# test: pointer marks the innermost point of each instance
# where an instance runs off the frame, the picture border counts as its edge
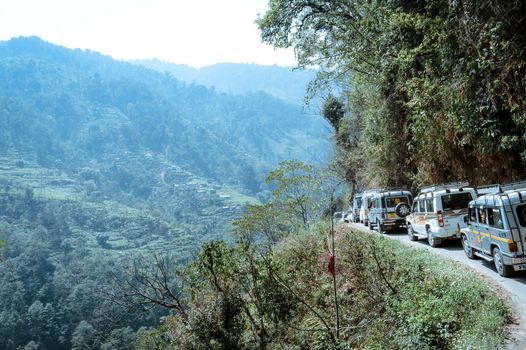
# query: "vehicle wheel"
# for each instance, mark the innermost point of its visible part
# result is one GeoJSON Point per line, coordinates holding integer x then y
{"type": "Point", "coordinates": [379, 227]}
{"type": "Point", "coordinates": [467, 249]}
{"type": "Point", "coordinates": [433, 241]}
{"type": "Point", "coordinates": [411, 233]}
{"type": "Point", "coordinates": [370, 224]}
{"type": "Point", "coordinates": [366, 223]}
{"type": "Point", "coordinates": [502, 269]}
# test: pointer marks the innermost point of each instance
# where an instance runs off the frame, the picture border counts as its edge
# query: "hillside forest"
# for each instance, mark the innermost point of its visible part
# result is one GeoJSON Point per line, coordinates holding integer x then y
{"type": "Point", "coordinates": [106, 163]}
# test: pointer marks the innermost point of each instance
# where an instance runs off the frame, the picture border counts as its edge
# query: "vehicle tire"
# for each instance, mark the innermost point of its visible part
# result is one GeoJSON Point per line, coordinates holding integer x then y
{"type": "Point", "coordinates": [433, 241]}
{"type": "Point", "coordinates": [470, 253]}
{"type": "Point", "coordinates": [365, 223]}
{"type": "Point", "coordinates": [402, 209]}
{"type": "Point", "coordinates": [411, 233]}
{"type": "Point", "coordinates": [370, 225]}
{"type": "Point", "coordinates": [502, 269]}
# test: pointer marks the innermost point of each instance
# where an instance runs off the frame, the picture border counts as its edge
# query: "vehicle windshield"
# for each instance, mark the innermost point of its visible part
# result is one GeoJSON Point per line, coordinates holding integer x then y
{"type": "Point", "coordinates": [455, 201]}
{"type": "Point", "coordinates": [392, 202]}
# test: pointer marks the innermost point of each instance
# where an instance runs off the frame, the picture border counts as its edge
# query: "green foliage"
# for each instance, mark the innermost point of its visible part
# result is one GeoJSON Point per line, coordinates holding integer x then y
{"type": "Point", "coordinates": [435, 89]}
{"type": "Point", "coordinates": [104, 161]}
{"type": "Point", "coordinates": [333, 111]}
{"type": "Point", "coordinates": [261, 221]}
{"type": "Point", "coordinates": [296, 185]}
{"type": "Point", "coordinates": [421, 301]}
{"type": "Point", "coordinates": [391, 297]}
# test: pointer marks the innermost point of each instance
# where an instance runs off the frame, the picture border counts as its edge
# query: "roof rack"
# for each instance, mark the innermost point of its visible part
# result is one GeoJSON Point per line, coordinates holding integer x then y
{"type": "Point", "coordinates": [517, 185]}
{"type": "Point", "coordinates": [372, 190]}
{"type": "Point", "coordinates": [444, 186]}
{"type": "Point", "coordinates": [488, 189]}
{"type": "Point", "coordinates": [496, 188]}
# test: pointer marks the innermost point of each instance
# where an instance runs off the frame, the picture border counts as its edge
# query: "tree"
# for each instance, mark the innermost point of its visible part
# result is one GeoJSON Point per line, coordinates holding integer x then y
{"type": "Point", "coordinates": [436, 86]}
{"type": "Point", "coordinates": [296, 186]}
{"type": "Point", "coordinates": [84, 337]}
{"type": "Point", "coordinates": [333, 111]}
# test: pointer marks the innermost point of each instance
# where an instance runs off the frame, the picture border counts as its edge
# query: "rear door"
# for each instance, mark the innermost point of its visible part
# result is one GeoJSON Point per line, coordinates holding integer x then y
{"type": "Point", "coordinates": [392, 202]}
{"type": "Point", "coordinates": [519, 233]}
{"type": "Point", "coordinates": [455, 207]}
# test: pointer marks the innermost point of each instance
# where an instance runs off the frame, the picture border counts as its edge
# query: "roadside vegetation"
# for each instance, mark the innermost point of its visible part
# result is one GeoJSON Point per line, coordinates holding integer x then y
{"type": "Point", "coordinates": [275, 288]}
{"type": "Point", "coordinates": [390, 297]}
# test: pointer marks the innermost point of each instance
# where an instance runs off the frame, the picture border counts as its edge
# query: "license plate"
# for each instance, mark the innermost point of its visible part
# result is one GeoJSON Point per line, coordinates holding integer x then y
{"type": "Point", "coordinates": [519, 267]}
{"type": "Point", "coordinates": [392, 215]}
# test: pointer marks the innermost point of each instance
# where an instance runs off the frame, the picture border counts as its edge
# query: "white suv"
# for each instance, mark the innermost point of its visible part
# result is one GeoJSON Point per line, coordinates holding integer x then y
{"type": "Point", "coordinates": [438, 211]}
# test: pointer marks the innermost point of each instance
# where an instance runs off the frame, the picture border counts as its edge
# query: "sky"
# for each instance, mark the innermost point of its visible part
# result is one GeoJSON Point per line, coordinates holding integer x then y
{"type": "Point", "coordinates": [193, 32]}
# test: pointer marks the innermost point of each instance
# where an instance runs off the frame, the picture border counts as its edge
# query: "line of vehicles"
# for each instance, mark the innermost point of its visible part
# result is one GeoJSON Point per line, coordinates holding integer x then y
{"type": "Point", "coordinates": [490, 221]}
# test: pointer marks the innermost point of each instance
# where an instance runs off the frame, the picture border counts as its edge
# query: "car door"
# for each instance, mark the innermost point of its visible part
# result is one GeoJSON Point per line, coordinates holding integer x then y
{"type": "Point", "coordinates": [474, 234]}
{"type": "Point", "coordinates": [430, 209]}
{"type": "Point", "coordinates": [483, 229]}
{"type": "Point", "coordinates": [498, 230]}
{"type": "Point", "coordinates": [419, 218]}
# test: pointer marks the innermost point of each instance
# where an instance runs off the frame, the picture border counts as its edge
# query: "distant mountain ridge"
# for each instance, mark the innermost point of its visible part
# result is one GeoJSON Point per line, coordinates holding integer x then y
{"type": "Point", "coordinates": [285, 83]}
{"type": "Point", "coordinates": [122, 85]}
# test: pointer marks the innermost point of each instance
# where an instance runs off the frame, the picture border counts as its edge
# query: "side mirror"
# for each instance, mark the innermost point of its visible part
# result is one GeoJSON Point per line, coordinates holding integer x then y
{"type": "Point", "coordinates": [466, 219]}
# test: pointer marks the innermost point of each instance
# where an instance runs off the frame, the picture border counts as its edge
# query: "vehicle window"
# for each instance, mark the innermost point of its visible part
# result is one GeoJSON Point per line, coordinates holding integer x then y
{"type": "Point", "coordinates": [481, 213]}
{"type": "Point", "coordinates": [358, 202]}
{"type": "Point", "coordinates": [429, 205]}
{"type": "Point", "coordinates": [392, 202]}
{"type": "Point", "coordinates": [472, 215]}
{"type": "Point", "coordinates": [455, 201]}
{"type": "Point", "coordinates": [494, 218]}
{"type": "Point", "coordinates": [415, 207]}
{"type": "Point", "coordinates": [521, 213]}
{"type": "Point", "coordinates": [421, 208]}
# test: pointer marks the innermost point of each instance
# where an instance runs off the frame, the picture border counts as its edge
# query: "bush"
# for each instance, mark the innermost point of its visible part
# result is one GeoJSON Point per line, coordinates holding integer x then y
{"type": "Point", "coordinates": [390, 297]}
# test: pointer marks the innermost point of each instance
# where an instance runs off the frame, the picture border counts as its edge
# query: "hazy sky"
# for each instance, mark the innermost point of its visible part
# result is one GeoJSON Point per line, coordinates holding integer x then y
{"type": "Point", "coordinates": [194, 32]}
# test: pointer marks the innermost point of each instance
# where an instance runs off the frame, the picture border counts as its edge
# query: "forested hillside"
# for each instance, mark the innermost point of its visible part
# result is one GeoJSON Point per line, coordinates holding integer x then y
{"type": "Point", "coordinates": [103, 161]}
{"type": "Point", "coordinates": [285, 83]}
{"type": "Point", "coordinates": [438, 87]}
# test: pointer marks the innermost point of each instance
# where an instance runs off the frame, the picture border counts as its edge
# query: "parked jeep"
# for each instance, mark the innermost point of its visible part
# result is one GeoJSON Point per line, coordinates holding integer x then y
{"type": "Point", "coordinates": [438, 211]}
{"type": "Point", "coordinates": [388, 210]}
{"type": "Point", "coordinates": [497, 227]}
{"type": "Point", "coordinates": [367, 195]}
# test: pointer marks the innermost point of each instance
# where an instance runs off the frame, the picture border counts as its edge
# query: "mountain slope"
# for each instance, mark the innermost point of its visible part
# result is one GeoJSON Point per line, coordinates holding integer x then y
{"type": "Point", "coordinates": [102, 161]}
{"type": "Point", "coordinates": [284, 83]}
